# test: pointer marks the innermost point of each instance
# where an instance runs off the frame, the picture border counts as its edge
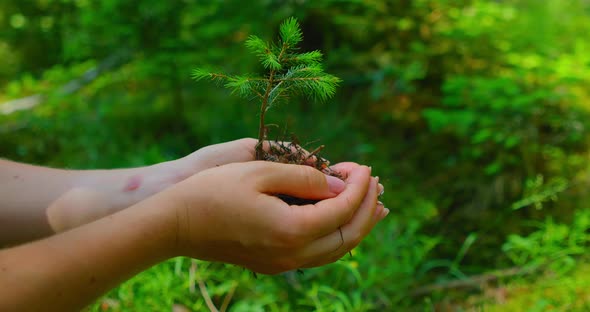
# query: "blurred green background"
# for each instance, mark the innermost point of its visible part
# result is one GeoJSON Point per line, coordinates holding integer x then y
{"type": "Point", "coordinates": [473, 113]}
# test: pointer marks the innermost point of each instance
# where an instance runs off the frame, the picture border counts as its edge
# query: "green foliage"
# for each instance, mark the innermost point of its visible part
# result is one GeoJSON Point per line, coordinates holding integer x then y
{"type": "Point", "coordinates": [567, 292]}
{"type": "Point", "coordinates": [289, 73]}
{"type": "Point", "coordinates": [553, 244]}
{"type": "Point", "coordinates": [474, 113]}
{"type": "Point", "coordinates": [290, 32]}
{"type": "Point", "coordinates": [268, 57]}
{"type": "Point", "coordinates": [537, 192]}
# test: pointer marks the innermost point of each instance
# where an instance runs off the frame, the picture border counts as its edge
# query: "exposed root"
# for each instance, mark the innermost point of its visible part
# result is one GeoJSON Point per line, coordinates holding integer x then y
{"type": "Point", "coordinates": [293, 153]}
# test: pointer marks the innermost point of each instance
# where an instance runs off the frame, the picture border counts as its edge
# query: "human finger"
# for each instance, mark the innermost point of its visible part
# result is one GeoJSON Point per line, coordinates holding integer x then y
{"type": "Point", "coordinates": [328, 215]}
{"type": "Point", "coordinates": [333, 246]}
{"type": "Point", "coordinates": [344, 168]}
{"type": "Point", "coordinates": [298, 181]}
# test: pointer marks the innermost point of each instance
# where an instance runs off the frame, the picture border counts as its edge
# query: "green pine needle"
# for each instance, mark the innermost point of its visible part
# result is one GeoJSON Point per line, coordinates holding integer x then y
{"type": "Point", "coordinates": [290, 32]}
{"type": "Point", "coordinates": [268, 58]}
{"type": "Point", "coordinates": [257, 45]}
{"type": "Point", "coordinates": [244, 85]}
{"type": "Point", "coordinates": [200, 73]}
{"type": "Point", "coordinates": [288, 73]}
{"type": "Point", "coordinates": [313, 57]}
{"type": "Point", "coordinates": [293, 73]}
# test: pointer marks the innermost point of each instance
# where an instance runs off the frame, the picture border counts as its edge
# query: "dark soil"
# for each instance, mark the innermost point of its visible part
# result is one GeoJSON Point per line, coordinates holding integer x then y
{"type": "Point", "coordinates": [293, 153]}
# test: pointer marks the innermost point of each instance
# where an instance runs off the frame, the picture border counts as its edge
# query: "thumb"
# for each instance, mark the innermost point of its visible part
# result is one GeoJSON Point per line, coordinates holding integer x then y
{"type": "Point", "coordinates": [299, 181]}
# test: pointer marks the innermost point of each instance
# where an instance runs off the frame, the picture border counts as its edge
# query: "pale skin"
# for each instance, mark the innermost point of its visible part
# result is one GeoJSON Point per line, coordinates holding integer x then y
{"type": "Point", "coordinates": [111, 231]}
{"type": "Point", "coordinates": [27, 191]}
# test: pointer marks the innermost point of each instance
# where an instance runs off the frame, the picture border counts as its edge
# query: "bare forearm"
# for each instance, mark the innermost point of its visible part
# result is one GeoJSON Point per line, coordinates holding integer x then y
{"type": "Point", "coordinates": [226, 214]}
{"type": "Point", "coordinates": [27, 191]}
{"type": "Point", "coordinates": [67, 271]}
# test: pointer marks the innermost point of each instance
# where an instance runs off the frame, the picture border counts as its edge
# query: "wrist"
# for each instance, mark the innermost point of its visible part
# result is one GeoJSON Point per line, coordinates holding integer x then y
{"type": "Point", "coordinates": [126, 187]}
{"type": "Point", "coordinates": [158, 197]}
{"type": "Point", "coordinates": [95, 194]}
{"type": "Point", "coordinates": [161, 176]}
{"type": "Point", "coordinates": [184, 219]}
{"type": "Point", "coordinates": [161, 225]}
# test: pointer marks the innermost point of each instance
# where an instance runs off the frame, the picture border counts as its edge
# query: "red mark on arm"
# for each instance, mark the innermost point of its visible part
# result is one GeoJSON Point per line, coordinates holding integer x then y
{"type": "Point", "coordinates": [132, 184]}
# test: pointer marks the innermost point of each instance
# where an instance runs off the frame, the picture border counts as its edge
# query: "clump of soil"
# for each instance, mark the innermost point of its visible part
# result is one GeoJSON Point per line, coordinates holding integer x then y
{"type": "Point", "coordinates": [293, 153]}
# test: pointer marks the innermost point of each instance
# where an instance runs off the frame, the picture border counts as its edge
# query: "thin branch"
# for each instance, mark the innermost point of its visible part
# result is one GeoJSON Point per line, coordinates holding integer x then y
{"type": "Point", "coordinates": [228, 298]}
{"type": "Point", "coordinates": [315, 152]}
{"type": "Point", "coordinates": [271, 93]}
{"type": "Point", "coordinates": [219, 76]}
{"type": "Point", "coordinates": [257, 93]}
{"type": "Point", "coordinates": [191, 277]}
{"type": "Point", "coordinates": [202, 287]}
{"type": "Point", "coordinates": [473, 281]}
{"type": "Point", "coordinates": [283, 50]}
{"type": "Point", "coordinates": [72, 86]}
{"type": "Point", "coordinates": [275, 88]}
{"type": "Point", "coordinates": [28, 102]}
{"type": "Point", "coordinates": [298, 79]}
{"type": "Point", "coordinates": [224, 76]}
{"type": "Point", "coordinates": [263, 107]}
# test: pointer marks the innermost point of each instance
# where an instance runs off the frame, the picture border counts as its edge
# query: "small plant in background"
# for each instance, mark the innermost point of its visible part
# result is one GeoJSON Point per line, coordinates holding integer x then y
{"type": "Point", "coordinates": [288, 73]}
{"type": "Point", "coordinates": [554, 245]}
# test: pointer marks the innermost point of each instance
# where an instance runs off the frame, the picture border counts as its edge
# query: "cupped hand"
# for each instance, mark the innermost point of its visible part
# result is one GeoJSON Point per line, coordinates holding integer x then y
{"type": "Point", "coordinates": [230, 214]}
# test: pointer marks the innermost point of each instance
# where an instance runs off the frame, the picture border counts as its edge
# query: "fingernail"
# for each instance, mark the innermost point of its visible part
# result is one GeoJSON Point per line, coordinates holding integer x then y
{"type": "Point", "coordinates": [335, 185]}
{"type": "Point", "coordinates": [379, 203]}
{"type": "Point", "coordinates": [381, 189]}
{"type": "Point", "coordinates": [385, 213]}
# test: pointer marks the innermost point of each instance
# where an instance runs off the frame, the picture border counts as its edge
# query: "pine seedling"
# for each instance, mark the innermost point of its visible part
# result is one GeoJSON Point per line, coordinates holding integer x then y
{"type": "Point", "coordinates": [288, 73]}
